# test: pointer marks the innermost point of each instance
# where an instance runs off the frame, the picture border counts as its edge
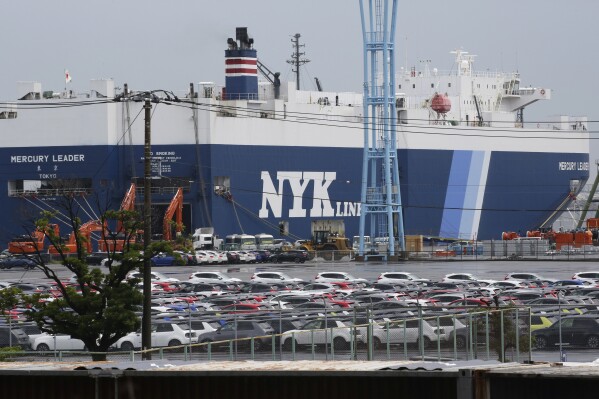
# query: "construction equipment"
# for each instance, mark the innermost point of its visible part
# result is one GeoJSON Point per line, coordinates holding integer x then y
{"type": "Point", "coordinates": [29, 244]}
{"type": "Point", "coordinates": [328, 238]}
{"type": "Point", "coordinates": [174, 209]}
{"type": "Point", "coordinates": [85, 231]}
{"type": "Point", "coordinates": [116, 242]}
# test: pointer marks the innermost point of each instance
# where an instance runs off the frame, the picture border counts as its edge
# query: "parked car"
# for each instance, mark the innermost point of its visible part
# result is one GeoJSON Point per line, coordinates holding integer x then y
{"type": "Point", "coordinates": [590, 276]}
{"type": "Point", "coordinates": [273, 277]}
{"type": "Point", "coordinates": [319, 332]}
{"type": "Point", "coordinates": [17, 261]}
{"type": "Point", "coordinates": [259, 330]}
{"type": "Point", "coordinates": [580, 330]}
{"type": "Point", "coordinates": [293, 255]}
{"type": "Point", "coordinates": [156, 276]}
{"type": "Point", "coordinates": [12, 335]}
{"type": "Point", "coordinates": [163, 259]}
{"type": "Point", "coordinates": [212, 277]}
{"type": "Point", "coordinates": [163, 334]}
{"type": "Point", "coordinates": [60, 342]}
{"type": "Point", "coordinates": [402, 277]}
{"type": "Point", "coordinates": [331, 277]}
{"type": "Point", "coordinates": [96, 258]}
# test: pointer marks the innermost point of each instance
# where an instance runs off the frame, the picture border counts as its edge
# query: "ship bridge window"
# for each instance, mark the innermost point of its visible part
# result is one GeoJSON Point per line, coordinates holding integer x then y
{"type": "Point", "coordinates": [413, 85]}
{"type": "Point", "coordinates": [400, 86]}
{"type": "Point", "coordinates": [432, 85]}
{"type": "Point", "coordinates": [50, 187]}
{"type": "Point", "coordinates": [449, 84]}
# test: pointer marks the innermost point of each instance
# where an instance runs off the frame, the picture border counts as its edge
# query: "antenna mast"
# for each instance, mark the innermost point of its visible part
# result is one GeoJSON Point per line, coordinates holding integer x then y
{"type": "Point", "coordinates": [296, 59]}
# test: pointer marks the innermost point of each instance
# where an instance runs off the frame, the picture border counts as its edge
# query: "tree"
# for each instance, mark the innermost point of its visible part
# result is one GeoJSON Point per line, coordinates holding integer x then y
{"type": "Point", "coordinates": [496, 319]}
{"type": "Point", "coordinates": [101, 307]}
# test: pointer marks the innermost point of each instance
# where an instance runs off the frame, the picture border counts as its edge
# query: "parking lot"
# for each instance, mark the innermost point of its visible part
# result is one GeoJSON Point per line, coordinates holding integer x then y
{"type": "Point", "coordinates": [346, 310]}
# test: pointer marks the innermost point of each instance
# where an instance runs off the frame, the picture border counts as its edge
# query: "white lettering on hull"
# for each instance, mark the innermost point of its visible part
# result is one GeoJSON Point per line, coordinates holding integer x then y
{"type": "Point", "coordinates": [322, 206]}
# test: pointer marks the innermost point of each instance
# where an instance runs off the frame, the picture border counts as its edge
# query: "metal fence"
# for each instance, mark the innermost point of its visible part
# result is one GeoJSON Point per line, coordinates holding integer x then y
{"type": "Point", "coordinates": [502, 335]}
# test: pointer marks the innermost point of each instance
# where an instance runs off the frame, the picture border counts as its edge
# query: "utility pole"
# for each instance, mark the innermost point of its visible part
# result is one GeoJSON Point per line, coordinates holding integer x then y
{"type": "Point", "coordinates": [146, 327]}
{"type": "Point", "coordinates": [296, 59]}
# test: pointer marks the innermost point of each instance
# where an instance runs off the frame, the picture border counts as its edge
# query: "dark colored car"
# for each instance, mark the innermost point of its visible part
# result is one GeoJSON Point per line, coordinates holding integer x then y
{"type": "Point", "coordinates": [233, 257]}
{"type": "Point", "coordinates": [579, 330]}
{"type": "Point", "coordinates": [262, 256]}
{"type": "Point", "coordinates": [297, 256]}
{"type": "Point", "coordinates": [19, 337]}
{"type": "Point", "coordinates": [17, 261]}
{"type": "Point", "coordinates": [261, 331]}
{"type": "Point", "coordinates": [163, 259]}
{"type": "Point", "coordinates": [96, 258]}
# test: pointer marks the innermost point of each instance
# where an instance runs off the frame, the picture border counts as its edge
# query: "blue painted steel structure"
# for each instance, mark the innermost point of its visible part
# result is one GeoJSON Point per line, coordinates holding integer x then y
{"type": "Point", "coordinates": [381, 197]}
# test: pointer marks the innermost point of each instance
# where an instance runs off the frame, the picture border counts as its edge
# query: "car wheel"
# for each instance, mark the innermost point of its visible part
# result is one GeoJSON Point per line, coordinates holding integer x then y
{"type": "Point", "coordinates": [460, 342]}
{"type": "Point", "coordinates": [174, 342]}
{"type": "Point", "coordinates": [127, 346]}
{"type": "Point", "coordinates": [426, 342]}
{"type": "Point", "coordinates": [204, 348]}
{"type": "Point", "coordinates": [376, 343]}
{"type": "Point", "coordinates": [540, 342]}
{"type": "Point", "coordinates": [340, 343]}
{"type": "Point", "coordinates": [258, 345]}
{"type": "Point", "coordinates": [593, 342]}
{"type": "Point", "coordinates": [296, 260]}
{"type": "Point", "coordinates": [42, 348]}
{"type": "Point", "coordinates": [288, 344]}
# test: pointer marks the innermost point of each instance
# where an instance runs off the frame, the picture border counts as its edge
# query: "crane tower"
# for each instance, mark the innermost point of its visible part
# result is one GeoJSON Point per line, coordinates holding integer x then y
{"type": "Point", "coordinates": [380, 196]}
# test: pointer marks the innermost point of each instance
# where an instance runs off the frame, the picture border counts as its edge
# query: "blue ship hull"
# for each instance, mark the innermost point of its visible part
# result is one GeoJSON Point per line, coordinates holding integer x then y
{"type": "Point", "coordinates": [445, 193]}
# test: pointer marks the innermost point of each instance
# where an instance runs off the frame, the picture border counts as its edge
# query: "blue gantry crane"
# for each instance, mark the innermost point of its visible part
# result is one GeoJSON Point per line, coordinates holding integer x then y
{"type": "Point", "coordinates": [380, 196]}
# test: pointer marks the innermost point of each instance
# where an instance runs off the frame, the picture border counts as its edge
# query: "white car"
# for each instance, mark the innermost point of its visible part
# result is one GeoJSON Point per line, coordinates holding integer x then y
{"type": "Point", "coordinates": [60, 342]}
{"type": "Point", "coordinates": [274, 277]}
{"type": "Point", "coordinates": [319, 333]}
{"type": "Point", "coordinates": [156, 276]}
{"type": "Point", "coordinates": [220, 257]}
{"type": "Point", "coordinates": [212, 277]}
{"type": "Point", "coordinates": [203, 327]}
{"type": "Point", "coordinates": [247, 256]}
{"type": "Point", "coordinates": [508, 284]}
{"type": "Point", "coordinates": [332, 277]}
{"type": "Point", "coordinates": [529, 276]}
{"type": "Point", "coordinates": [590, 276]}
{"type": "Point", "coordinates": [401, 277]}
{"type": "Point", "coordinates": [163, 334]}
{"type": "Point", "coordinates": [406, 331]}
{"type": "Point", "coordinates": [205, 258]}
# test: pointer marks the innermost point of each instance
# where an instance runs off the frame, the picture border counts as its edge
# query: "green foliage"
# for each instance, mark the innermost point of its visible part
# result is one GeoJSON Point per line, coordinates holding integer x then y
{"type": "Point", "coordinates": [507, 315]}
{"type": "Point", "coordinates": [101, 307]}
{"type": "Point", "coordinates": [8, 353]}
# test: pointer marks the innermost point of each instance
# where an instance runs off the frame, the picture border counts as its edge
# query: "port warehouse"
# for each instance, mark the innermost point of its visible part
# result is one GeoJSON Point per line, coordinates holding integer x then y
{"type": "Point", "coordinates": [302, 379]}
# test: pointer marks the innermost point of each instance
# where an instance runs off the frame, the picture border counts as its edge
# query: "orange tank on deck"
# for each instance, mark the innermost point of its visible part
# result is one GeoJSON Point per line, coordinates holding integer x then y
{"type": "Point", "coordinates": [509, 235]}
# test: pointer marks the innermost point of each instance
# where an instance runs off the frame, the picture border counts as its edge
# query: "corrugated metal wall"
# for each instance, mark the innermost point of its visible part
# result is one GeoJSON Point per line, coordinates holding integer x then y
{"type": "Point", "coordinates": [166, 385]}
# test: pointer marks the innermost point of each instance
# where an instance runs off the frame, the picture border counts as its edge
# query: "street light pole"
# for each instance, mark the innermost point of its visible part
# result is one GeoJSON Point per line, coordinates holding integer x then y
{"type": "Point", "coordinates": [146, 328]}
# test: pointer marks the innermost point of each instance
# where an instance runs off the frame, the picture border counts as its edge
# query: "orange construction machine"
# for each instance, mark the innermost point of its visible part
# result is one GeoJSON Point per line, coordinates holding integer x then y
{"type": "Point", "coordinates": [116, 242]}
{"type": "Point", "coordinates": [29, 244]}
{"type": "Point", "coordinates": [86, 230]}
{"type": "Point", "coordinates": [174, 209]}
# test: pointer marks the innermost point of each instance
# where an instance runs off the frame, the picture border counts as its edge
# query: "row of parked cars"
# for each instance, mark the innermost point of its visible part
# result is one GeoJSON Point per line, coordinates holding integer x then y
{"type": "Point", "coordinates": [334, 308]}
{"type": "Point", "coordinates": [210, 257]}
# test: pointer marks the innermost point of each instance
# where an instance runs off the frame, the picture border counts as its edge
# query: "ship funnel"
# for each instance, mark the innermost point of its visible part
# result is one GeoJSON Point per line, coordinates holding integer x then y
{"type": "Point", "coordinates": [241, 72]}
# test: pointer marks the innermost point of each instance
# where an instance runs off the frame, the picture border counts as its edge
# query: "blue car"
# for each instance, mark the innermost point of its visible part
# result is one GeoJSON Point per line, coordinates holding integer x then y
{"type": "Point", "coordinates": [163, 259]}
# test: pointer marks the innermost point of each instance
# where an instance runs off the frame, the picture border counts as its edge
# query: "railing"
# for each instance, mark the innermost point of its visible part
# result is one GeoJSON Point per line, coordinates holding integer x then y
{"type": "Point", "coordinates": [498, 334]}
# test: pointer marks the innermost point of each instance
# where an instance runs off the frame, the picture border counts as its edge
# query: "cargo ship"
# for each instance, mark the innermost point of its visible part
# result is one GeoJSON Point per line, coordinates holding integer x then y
{"type": "Point", "coordinates": [257, 155]}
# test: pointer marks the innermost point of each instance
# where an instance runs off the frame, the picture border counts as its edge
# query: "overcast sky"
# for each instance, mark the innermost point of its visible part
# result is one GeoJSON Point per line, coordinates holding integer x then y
{"type": "Point", "coordinates": [154, 44]}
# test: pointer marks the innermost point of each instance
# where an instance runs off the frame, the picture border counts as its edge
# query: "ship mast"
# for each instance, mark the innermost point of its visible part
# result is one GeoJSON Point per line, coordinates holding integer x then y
{"type": "Point", "coordinates": [296, 59]}
{"type": "Point", "coordinates": [380, 197]}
